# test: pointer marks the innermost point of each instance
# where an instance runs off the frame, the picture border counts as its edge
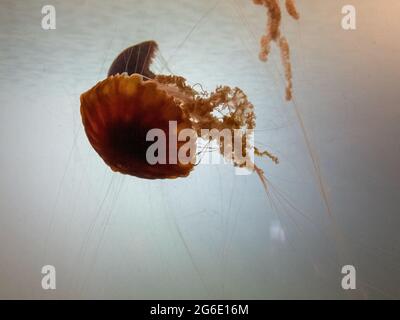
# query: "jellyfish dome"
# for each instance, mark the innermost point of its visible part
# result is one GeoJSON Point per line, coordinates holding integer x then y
{"type": "Point", "coordinates": [117, 115]}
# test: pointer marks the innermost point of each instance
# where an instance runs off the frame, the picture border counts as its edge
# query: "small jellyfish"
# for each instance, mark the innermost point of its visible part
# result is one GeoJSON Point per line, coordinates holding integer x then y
{"type": "Point", "coordinates": [120, 111]}
{"type": "Point", "coordinates": [273, 33]}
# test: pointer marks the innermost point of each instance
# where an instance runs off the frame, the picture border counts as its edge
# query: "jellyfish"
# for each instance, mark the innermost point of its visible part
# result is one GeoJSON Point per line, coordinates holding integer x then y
{"type": "Point", "coordinates": [273, 34]}
{"type": "Point", "coordinates": [119, 112]}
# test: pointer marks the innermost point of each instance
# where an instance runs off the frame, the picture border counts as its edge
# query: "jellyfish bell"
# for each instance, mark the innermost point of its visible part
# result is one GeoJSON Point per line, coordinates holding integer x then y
{"type": "Point", "coordinates": [118, 113]}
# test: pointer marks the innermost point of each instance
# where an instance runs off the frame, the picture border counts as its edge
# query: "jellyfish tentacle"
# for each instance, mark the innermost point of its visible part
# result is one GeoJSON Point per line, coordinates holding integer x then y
{"type": "Point", "coordinates": [267, 154]}
{"type": "Point", "coordinates": [291, 9]}
{"type": "Point", "coordinates": [273, 34]}
{"type": "Point", "coordinates": [285, 57]}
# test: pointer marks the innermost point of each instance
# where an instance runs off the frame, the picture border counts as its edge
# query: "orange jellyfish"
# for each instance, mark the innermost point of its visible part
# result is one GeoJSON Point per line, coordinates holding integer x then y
{"type": "Point", "coordinates": [119, 112]}
{"type": "Point", "coordinates": [273, 33]}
